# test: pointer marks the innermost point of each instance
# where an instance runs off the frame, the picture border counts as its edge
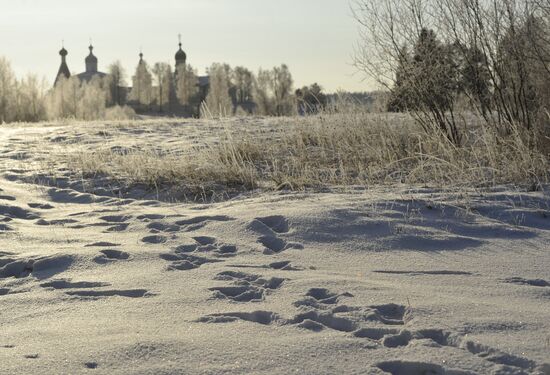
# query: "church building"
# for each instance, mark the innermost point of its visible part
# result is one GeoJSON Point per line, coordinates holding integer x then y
{"type": "Point", "coordinates": [91, 63]}
{"type": "Point", "coordinates": [86, 76]}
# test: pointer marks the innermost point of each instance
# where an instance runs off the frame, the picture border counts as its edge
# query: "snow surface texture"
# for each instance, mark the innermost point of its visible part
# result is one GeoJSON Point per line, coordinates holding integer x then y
{"type": "Point", "coordinates": [365, 282]}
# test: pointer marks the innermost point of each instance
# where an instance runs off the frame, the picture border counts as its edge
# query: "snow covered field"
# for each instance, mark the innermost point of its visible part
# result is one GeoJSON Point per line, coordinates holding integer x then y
{"type": "Point", "coordinates": [401, 280]}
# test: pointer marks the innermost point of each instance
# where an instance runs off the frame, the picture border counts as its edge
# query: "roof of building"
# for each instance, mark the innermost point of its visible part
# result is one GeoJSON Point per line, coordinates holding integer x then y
{"type": "Point", "coordinates": [87, 76]}
{"type": "Point", "coordinates": [91, 58]}
{"type": "Point", "coordinates": [180, 55]}
{"type": "Point", "coordinates": [204, 80]}
{"type": "Point", "coordinates": [63, 68]}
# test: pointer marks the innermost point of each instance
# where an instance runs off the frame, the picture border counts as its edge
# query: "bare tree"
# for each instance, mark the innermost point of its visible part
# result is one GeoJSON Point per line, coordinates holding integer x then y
{"type": "Point", "coordinates": [142, 85]}
{"type": "Point", "coordinates": [244, 83]}
{"type": "Point", "coordinates": [263, 94]}
{"type": "Point", "coordinates": [218, 101]}
{"type": "Point", "coordinates": [31, 99]}
{"type": "Point", "coordinates": [116, 83]}
{"type": "Point", "coordinates": [490, 48]}
{"type": "Point", "coordinates": [162, 73]}
{"type": "Point", "coordinates": [187, 88]}
{"type": "Point", "coordinates": [273, 92]}
{"type": "Point", "coordinates": [92, 99]}
{"type": "Point", "coordinates": [282, 90]}
{"type": "Point", "coordinates": [7, 86]}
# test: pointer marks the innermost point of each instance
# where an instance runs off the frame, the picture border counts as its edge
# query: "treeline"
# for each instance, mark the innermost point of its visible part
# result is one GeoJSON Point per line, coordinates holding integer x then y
{"type": "Point", "coordinates": [228, 91]}
{"type": "Point", "coordinates": [225, 91]}
{"type": "Point", "coordinates": [30, 100]}
{"type": "Point", "coordinates": [434, 55]}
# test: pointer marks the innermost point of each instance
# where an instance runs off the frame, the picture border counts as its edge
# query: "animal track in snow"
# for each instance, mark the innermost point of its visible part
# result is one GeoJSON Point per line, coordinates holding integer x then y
{"type": "Point", "coordinates": [274, 244]}
{"type": "Point", "coordinates": [418, 368]}
{"type": "Point", "coordinates": [102, 244]}
{"type": "Point", "coordinates": [15, 212]}
{"type": "Point", "coordinates": [117, 228]}
{"type": "Point", "coordinates": [199, 222]}
{"type": "Point", "coordinates": [246, 288]}
{"type": "Point", "coordinates": [284, 265]}
{"type": "Point", "coordinates": [40, 268]}
{"type": "Point", "coordinates": [56, 222]}
{"type": "Point", "coordinates": [320, 298]}
{"type": "Point", "coordinates": [156, 227]}
{"type": "Point", "coordinates": [116, 218]}
{"type": "Point", "coordinates": [316, 321]}
{"type": "Point", "coordinates": [17, 269]}
{"type": "Point", "coordinates": [241, 277]}
{"type": "Point", "coordinates": [395, 338]}
{"type": "Point", "coordinates": [67, 284]}
{"type": "Point", "coordinates": [115, 254]}
{"type": "Point", "coordinates": [239, 293]}
{"type": "Point", "coordinates": [41, 206]}
{"type": "Point", "coordinates": [531, 282]}
{"type": "Point", "coordinates": [278, 224]}
{"type": "Point", "coordinates": [311, 320]}
{"type": "Point", "coordinates": [389, 314]}
{"type": "Point", "coordinates": [155, 239]}
{"type": "Point", "coordinates": [109, 255]}
{"type": "Point", "coordinates": [72, 196]}
{"type": "Point", "coordinates": [90, 365]}
{"type": "Point", "coordinates": [205, 244]}
{"type": "Point", "coordinates": [129, 293]}
{"type": "Point", "coordinates": [148, 217]}
{"type": "Point", "coordinates": [205, 240]}
{"type": "Point", "coordinates": [5, 228]}
{"type": "Point", "coordinates": [390, 338]}
{"type": "Point", "coordinates": [416, 273]}
{"type": "Point", "coordinates": [183, 262]}
{"type": "Point", "coordinates": [323, 295]}
{"type": "Point", "coordinates": [260, 317]}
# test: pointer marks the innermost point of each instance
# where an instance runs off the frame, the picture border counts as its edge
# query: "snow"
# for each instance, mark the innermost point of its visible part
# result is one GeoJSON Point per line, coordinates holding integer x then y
{"type": "Point", "coordinates": [395, 280]}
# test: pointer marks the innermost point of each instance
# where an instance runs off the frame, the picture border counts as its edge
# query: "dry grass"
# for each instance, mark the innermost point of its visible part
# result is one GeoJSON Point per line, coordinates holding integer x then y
{"type": "Point", "coordinates": [343, 148]}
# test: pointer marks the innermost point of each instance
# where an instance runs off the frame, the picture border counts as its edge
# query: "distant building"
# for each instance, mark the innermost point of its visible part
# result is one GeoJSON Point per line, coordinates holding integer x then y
{"type": "Point", "coordinates": [92, 71]}
{"type": "Point", "coordinates": [91, 67]}
{"type": "Point", "coordinates": [63, 68]}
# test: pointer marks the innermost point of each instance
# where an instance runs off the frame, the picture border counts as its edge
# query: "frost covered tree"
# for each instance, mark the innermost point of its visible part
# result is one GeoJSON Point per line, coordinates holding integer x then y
{"type": "Point", "coordinates": [30, 99]}
{"type": "Point", "coordinates": [7, 88]}
{"type": "Point", "coordinates": [273, 92]}
{"type": "Point", "coordinates": [62, 100]}
{"type": "Point", "coordinates": [218, 101]}
{"type": "Point", "coordinates": [244, 84]}
{"type": "Point", "coordinates": [142, 85]}
{"type": "Point", "coordinates": [262, 93]}
{"type": "Point", "coordinates": [71, 98]}
{"type": "Point", "coordinates": [162, 74]}
{"type": "Point", "coordinates": [116, 82]}
{"type": "Point", "coordinates": [282, 91]}
{"type": "Point", "coordinates": [92, 100]}
{"type": "Point", "coordinates": [187, 89]}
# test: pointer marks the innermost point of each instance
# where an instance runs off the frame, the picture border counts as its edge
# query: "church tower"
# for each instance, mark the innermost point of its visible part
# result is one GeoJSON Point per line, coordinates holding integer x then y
{"type": "Point", "coordinates": [91, 67]}
{"type": "Point", "coordinates": [63, 68]}
{"type": "Point", "coordinates": [91, 61]}
{"type": "Point", "coordinates": [181, 57]}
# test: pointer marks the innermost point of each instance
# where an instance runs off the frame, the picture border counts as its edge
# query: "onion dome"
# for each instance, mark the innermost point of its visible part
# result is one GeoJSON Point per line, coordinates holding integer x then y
{"type": "Point", "coordinates": [181, 57]}
{"type": "Point", "coordinates": [91, 58]}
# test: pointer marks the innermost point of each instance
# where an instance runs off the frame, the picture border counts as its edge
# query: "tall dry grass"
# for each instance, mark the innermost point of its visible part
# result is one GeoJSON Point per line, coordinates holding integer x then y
{"type": "Point", "coordinates": [341, 147]}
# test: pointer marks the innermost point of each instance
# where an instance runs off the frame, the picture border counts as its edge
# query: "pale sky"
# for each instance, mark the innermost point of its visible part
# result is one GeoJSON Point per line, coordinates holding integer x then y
{"type": "Point", "coordinates": [315, 38]}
